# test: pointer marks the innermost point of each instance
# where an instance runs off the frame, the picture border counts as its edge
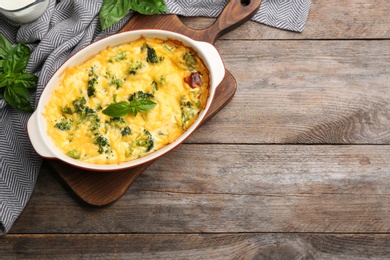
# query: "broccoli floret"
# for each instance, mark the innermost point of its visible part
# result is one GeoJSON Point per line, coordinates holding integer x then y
{"type": "Point", "coordinates": [121, 124]}
{"type": "Point", "coordinates": [74, 154]}
{"type": "Point", "coordinates": [89, 110]}
{"type": "Point", "coordinates": [94, 122]}
{"type": "Point", "coordinates": [152, 55]}
{"type": "Point", "coordinates": [120, 56]}
{"type": "Point", "coordinates": [104, 145]}
{"type": "Point", "coordinates": [79, 104]}
{"type": "Point", "coordinates": [102, 141]}
{"type": "Point", "coordinates": [66, 110]}
{"type": "Point", "coordinates": [134, 66]}
{"type": "Point", "coordinates": [188, 110]}
{"type": "Point", "coordinates": [154, 86]}
{"type": "Point", "coordinates": [64, 125]}
{"type": "Point", "coordinates": [86, 114]}
{"type": "Point", "coordinates": [159, 82]}
{"type": "Point", "coordinates": [92, 82]}
{"type": "Point", "coordinates": [126, 131]}
{"type": "Point", "coordinates": [91, 86]}
{"type": "Point", "coordinates": [140, 95]}
{"type": "Point", "coordinates": [117, 122]}
{"type": "Point", "coordinates": [116, 82]}
{"type": "Point", "coordinates": [145, 140]}
{"type": "Point", "coordinates": [190, 60]}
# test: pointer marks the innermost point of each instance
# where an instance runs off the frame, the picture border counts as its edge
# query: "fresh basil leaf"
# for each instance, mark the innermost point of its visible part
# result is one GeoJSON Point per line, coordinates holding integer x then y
{"type": "Point", "coordinates": [17, 59]}
{"type": "Point", "coordinates": [5, 47]}
{"type": "Point", "coordinates": [13, 78]}
{"type": "Point", "coordinates": [112, 11]}
{"type": "Point", "coordinates": [145, 7]}
{"type": "Point", "coordinates": [123, 108]}
{"type": "Point", "coordinates": [26, 79]}
{"type": "Point", "coordinates": [117, 109]}
{"type": "Point", "coordinates": [4, 80]}
{"type": "Point", "coordinates": [18, 97]}
{"type": "Point", "coordinates": [142, 105]}
{"type": "Point", "coordinates": [162, 7]}
{"type": "Point", "coordinates": [133, 111]}
{"type": "Point", "coordinates": [148, 7]}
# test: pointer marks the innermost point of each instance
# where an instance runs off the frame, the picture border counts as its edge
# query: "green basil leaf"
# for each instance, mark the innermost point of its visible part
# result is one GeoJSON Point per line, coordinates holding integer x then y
{"type": "Point", "coordinates": [133, 111]}
{"type": "Point", "coordinates": [4, 80]}
{"type": "Point", "coordinates": [149, 6]}
{"type": "Point", "coordinates": [162, 7]}
{"type": "Point", "coordinates": [117, 109]}
{"type": "Point", "coordinates": [17, 59]}
{"type": "Point", "coordinates": [123, 108]}
{"type": "Point", "coordinates": [112, 11]}
{"type": "Point", "coordinates": [26, 79]}
{"type": "Point", "coordinates": [142, 105]}
{"type": "Point", "coordinates": [1, 66]}
{"type": "Point", "coordinates": [5, 46]}
{"type": "Point", "coordinates": [18, 97]}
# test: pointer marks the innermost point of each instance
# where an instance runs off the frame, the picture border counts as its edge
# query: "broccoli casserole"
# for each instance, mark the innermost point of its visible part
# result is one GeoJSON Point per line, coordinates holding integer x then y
{"type": "Point", "coordinates": [127, 101]}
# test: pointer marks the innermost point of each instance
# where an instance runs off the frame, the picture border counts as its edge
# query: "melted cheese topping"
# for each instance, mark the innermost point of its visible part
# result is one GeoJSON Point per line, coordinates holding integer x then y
{"type": "Point", "coordinates": [165, 72]}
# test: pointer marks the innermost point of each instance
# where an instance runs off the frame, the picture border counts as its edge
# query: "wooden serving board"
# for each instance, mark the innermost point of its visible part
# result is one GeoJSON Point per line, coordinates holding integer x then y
{"type": "Point", "coordinates": [104, 188]}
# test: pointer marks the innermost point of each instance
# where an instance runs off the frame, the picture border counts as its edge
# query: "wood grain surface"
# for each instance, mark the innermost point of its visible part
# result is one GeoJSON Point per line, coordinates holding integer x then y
{"type": "Point", "coordinates": [200, 246]}
{"type": "Point", "coordinates": [237, 188]}
{"type": "Point", "coordinates": [305, 91]}
{"type": "Point", "coordinates": [331, 20]}
{"type": "Point", "coordinates": [296, 166]}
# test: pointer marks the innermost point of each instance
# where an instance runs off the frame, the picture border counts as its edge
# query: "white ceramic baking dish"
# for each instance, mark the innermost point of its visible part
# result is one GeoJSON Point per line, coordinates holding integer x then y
{"type": "Point", "coordinates": [37, 127]}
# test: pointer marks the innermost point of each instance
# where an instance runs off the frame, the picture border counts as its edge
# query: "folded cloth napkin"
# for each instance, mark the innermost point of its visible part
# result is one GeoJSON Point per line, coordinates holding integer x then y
{"type": "Point", "coordinates": [66, 27]}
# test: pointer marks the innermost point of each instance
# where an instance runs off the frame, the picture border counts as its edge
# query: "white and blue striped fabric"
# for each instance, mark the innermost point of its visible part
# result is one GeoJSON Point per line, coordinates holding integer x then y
{"type": "Point", "coordinates": [66, 27]}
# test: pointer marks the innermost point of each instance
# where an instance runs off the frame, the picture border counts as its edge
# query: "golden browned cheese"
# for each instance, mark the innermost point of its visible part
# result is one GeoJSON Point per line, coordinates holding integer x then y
{"type": "Point", "coordinates": [165, 72]}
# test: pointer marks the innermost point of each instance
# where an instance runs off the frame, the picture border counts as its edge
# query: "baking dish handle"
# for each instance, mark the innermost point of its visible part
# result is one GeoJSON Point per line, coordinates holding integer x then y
{"type": "Point", "coordinates": [36, 138]}
{"type": "Point", "coordinates": [213, 56]}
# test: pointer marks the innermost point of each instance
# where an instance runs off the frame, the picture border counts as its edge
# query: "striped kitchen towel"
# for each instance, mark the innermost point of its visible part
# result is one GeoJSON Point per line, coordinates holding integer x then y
{"type": "Point", "coordinates": [66, 27]}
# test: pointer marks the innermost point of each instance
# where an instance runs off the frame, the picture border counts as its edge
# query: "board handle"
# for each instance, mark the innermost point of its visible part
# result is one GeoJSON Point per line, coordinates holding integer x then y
{"type": "Point", "coordinates": [235, 13]}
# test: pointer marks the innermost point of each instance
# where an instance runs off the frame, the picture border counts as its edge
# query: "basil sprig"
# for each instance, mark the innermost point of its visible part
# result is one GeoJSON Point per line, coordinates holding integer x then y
{"type": "Point", "coordinates": [114, 10]}
{"type": "Point", "coordinates": [123, 108]}
{"type": "Point", "coordinates": [14, 80]}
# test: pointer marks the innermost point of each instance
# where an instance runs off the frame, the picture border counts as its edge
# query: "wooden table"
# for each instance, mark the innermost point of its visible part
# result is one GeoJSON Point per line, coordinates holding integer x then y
{"type": "Point", "coordinates": [297, 165]}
